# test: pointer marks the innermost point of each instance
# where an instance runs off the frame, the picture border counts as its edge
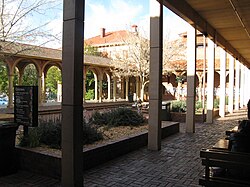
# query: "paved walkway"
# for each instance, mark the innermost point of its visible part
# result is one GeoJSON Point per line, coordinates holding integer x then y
{"type": "Point", "coordinates": [177, 164]}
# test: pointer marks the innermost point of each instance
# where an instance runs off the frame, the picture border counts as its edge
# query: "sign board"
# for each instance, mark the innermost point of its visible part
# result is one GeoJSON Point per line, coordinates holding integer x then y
{"type": "Point", "coordinates": [26, 105]}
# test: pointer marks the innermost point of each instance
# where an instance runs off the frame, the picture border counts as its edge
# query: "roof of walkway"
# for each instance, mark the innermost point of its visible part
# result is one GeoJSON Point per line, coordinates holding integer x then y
{"type": "Point", "coordinates": [226, 22]}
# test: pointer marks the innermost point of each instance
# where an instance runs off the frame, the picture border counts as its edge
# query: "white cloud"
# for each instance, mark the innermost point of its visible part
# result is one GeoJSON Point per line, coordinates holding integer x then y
{"type": "Point", "coordinates": [117, 15]}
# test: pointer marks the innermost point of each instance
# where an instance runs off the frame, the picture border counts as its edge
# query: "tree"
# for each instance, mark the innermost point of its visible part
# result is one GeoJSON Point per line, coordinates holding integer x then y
{"type": "Point", "coordinates": [30, 76]}
{"type": "Point", "coordinates": [24, 21]}
{"type": "Point", "coordinates": [91, 50]}
{"type": "Point", "coordinates": [52, 79]}
{"type": "Point", "coordinates": [136, 63]}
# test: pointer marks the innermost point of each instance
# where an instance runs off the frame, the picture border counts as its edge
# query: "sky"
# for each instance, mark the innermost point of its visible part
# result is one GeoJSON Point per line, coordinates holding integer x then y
{"type": "Point", "coordinates": [116, 15]}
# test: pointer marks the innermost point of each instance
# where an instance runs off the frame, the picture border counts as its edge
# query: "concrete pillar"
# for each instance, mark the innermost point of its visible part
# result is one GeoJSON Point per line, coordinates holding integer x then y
{"type": "Point", "coordinates": [200, 77]}
{"type": "Point", "coordinates": [191, 80]}
{"type": "Point", "coordinates": [114, 88]}
{"type": "Point", "coordinates": [126, 89]}
{"type": "Point", "coordinates": [231, 85]}
{"type": "Point", "coordinates": [96, 87]}
{"type": "Point", "coordinates": [137, 88]}
{"type": "Point", "coordinates": [155, 75]}
{"type": "Point", "coordinates": [222, 108]}
{"type": "Point", "coordinates": [44, 88]}
{"type": "Point", "coordinates": [59, 91]}
{"type": "Point", "coordinates": [20, 79]}
{"type": "Point", "coordinates": [100, 90]}
{"type": "Point", "coordinates": [10, 91]}
{"type": "Point", "coordinates": [210, 81]}
{"type": "Point", "coordinates": [109, 86]}
{"type": "Point", "coordinates": [246, 90]}
{"type": "Point", "coordinates": [242, 85]}
{"type": "Point", "coordinates": [72, 105]}
{"type": "Point", "coordinates": [237, 84]}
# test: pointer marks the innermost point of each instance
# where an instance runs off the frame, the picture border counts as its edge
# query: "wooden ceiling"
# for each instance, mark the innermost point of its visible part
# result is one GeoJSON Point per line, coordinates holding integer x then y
{"type": "Point", "coordinates": [227, 22]}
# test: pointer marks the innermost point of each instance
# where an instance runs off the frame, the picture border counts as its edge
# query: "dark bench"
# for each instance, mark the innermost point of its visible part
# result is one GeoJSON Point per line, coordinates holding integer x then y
{"type": "Point", "coordinates": [230, 161]}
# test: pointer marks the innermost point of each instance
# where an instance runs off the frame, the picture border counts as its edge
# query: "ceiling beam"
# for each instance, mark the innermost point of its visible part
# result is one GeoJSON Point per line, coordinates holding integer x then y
{"type": "Point", "coordinates": [186, 12]}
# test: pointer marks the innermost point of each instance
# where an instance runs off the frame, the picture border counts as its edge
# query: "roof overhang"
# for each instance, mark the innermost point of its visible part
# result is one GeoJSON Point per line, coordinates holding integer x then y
{"type": "Point", "coordinates": [226, 22]}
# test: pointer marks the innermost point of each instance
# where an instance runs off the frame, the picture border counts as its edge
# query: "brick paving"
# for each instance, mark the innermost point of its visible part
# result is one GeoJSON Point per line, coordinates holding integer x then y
{"type": "Point", "coordinates": [176, 165]}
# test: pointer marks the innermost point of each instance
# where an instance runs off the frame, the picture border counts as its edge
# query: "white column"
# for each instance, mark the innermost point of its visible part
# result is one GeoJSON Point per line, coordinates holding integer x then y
{"type": "Point", "coordinates": [126, 89]}
{"type": "Point", "coordinates": [96, 87]}
{"type": "Point", "coordinates": [237, 84]}
{"type": "Point", "coordinates": [223, 55]}
{"type": "Point", "coordinates": [210, 82]}
{"type": "Point", "coordinates": [137, 87]}
{"type": "Point", "coordinates": [100, 90]}
{"type": "Point", "coordinates": [155, 75]}
{"type": "Point", "coordinates": [242, 85]}
{"type": "Point", "coordinates": [246, 91]}
{"type": "Point", "coordinates": [114, 88]}
{"type": "Point", "coordinates": [44, 88]}
{"type": "Point", "coordinates": [109, 86]}
{"type": "Point", "coordinates": [231, 85]}
{"type": "Point", "coordinates": [191, 79]}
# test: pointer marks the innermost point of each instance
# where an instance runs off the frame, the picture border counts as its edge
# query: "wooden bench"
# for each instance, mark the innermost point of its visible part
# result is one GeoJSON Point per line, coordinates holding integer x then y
{"type": "Point", "coordinates": [235, 129]}
{"type": "Point", "coordinates": [230, 161]}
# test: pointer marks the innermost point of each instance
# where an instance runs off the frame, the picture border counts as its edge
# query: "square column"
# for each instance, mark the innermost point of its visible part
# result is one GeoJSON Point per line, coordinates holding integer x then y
{"type": "Point", "coordinates": [242, 85]}
{"type": "Point", "coordinates": [210, 81]}
{"type": "Point", "coordinates": [231, 85]}
{"type": "Point", "coordinates": [246, 88]}
{"type": "Point", "coordinates": [191, 79]}
{"type": "Point", "coordinates": [222, 108]}
{"type": "Point", "coordinates": [72, 104]}
{"type": "Point", "coordinates": [155, 75]}
{"type": "Point", "coordinates": [237, 84]}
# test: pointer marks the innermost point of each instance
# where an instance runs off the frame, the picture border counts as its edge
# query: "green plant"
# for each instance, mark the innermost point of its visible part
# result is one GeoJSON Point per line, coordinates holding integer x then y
{"type": "Point", "coordinates": [179, 106]}
{"type": "Point", "coordinates": [49, 133]}
{"type": "Point", "coordinates": [89, 94]}
{"type": "Point", "coordinates": [90, 134]}
{"type": "Point", "coordinates": [216, 103]}
{"type": "Point", "coordinates": [31, 140]}
{"type": "Point", "coordinates": [118, 117]}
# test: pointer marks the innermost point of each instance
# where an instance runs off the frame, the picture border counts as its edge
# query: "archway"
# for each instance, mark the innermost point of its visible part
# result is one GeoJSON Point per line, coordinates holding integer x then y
{"type": "Point", "coordinates": [90, 85]}
{"type": "Point", "coordinates": [52, 87]}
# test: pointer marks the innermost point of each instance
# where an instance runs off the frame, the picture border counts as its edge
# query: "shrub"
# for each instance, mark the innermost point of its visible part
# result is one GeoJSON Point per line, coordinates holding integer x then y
{"type": "Point", "coordinates": [90, 134]}
{"type": "Point", "coordinates": [49, 133]}
{"type": "Point", "coordinates": [118, 117]}
{"type": "Point", "coordinates": [179, 106]}
{"type": "Point", "coordinates": [31, 140]}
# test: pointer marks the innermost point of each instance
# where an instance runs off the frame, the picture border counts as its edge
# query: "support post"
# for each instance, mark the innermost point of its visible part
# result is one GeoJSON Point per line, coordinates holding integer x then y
{"type": "Point", "coordinates": [126, 89]}
{"type": "Point", "coordinates": [237, 84]}
{"type": "Point", "coordinates": [191, 79]}
{"type": "Point", "coordinates": [72, 105]}
{"type": "Point", "coordinates": [231, 85]}
{"type": "Point", "coordinates": [222, 108]}
{"type": "Point", "coordinates": [242, 85]}
{"type": "Point", "coordinates": [155, 76]}
{"type": "Point", "coordinates": [210, 82]}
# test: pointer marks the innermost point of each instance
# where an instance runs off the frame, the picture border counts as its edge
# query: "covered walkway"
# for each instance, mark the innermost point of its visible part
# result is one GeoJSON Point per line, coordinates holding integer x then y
{"type": "Point", "coordinates": [176, 164]}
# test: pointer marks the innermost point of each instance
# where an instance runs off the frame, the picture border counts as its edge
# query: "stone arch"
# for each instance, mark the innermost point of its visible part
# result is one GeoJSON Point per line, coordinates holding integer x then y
{"type": "Point", "coordinates": [95, 75]}
{"type": "Point", "coordinates": [107, 89]}
{"type": "Point", "coordinates": [55, 93]}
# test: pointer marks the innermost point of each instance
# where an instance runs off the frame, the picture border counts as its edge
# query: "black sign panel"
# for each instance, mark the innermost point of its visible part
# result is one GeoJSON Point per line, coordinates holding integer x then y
{"type": "Point", "coordinates": [26, 105]}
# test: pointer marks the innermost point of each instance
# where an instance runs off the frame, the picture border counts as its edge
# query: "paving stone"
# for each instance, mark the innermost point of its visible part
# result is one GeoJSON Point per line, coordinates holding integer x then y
{"type": "Point", "coordinates": [178, 164]}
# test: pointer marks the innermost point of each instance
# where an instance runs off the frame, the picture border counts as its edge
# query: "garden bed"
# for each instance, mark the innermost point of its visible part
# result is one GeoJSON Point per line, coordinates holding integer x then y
{"type": "Point", "coordinates": [93, 155]}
